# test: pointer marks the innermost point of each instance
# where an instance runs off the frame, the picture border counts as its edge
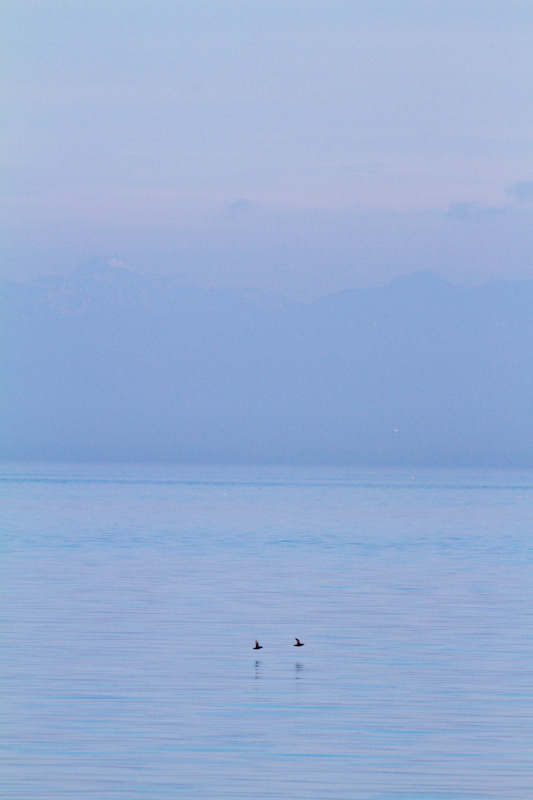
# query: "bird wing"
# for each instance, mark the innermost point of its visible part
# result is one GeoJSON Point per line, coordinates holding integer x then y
{"type": "Point", "coordinates": [297, 640]}
{"type": "Point", "coordinates": [257, 643]}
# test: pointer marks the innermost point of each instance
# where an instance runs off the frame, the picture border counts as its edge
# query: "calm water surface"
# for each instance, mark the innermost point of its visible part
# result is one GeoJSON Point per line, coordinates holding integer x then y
{"type": "Point", "coordinates": [132, 595]}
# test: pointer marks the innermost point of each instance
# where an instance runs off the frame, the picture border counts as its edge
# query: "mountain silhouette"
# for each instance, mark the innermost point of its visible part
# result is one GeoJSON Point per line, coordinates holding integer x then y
{"type": "Point", "coordinates": [110, 364]}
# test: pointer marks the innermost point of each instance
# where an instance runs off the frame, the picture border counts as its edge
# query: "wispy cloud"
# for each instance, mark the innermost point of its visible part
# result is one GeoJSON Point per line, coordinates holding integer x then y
{"type": "Point", "coordinates": [239, 208]}
{"type": "Point", "coordinates": [473, 211]}
{"type": "Point", "coordinates": [522, 191]}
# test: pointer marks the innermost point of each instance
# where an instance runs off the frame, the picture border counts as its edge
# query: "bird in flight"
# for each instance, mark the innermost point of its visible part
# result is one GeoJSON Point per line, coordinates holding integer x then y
{"type": "Point", "coordinates": [298, 643]}
{"type": "Point", "coordinates": [258, 646]}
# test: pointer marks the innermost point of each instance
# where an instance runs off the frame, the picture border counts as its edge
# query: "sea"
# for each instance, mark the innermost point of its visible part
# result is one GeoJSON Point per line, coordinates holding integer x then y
{"type": "Point", "coordinates": [132, 596]}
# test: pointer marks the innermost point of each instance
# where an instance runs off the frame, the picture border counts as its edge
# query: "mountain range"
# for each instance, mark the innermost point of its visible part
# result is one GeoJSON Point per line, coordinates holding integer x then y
{"type": "Point", "coordinates": [108, 364]}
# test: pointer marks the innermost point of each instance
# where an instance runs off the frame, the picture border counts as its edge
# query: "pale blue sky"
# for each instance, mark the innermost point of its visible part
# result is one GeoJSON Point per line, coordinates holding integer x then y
{"type": "Point", "coordinates": [301, 147]}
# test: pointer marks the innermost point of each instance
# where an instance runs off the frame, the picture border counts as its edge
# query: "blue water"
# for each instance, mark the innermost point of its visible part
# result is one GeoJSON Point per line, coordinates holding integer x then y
{"type": "Point", "coordinates": [132, 595]}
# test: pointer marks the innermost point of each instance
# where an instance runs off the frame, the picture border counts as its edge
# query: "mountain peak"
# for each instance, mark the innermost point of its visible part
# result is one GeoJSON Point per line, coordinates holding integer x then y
{"type": "Point", "coordinates": [100, 265]}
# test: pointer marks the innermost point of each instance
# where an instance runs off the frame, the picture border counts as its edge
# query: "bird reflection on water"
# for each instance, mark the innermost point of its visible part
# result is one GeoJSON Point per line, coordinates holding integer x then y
{"type": "Point", "coordinates": [298, 669]}
{"type": "Point", "coordinates": [257, 668]}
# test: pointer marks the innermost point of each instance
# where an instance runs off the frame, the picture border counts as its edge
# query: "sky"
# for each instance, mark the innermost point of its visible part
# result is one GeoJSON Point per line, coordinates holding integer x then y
{"type": "Point", "coordinates": [299, 147]}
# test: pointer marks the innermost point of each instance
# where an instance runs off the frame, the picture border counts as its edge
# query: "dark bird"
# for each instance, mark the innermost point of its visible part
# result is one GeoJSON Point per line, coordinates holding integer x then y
{"type": "Point", "coordinates": [259, 646]}
{"type": "Point", "coordinates": [298, 643]}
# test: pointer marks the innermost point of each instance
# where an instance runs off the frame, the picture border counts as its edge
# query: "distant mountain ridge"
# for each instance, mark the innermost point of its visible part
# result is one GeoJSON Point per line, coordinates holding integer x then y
{"type": "Point", "coordinates": [109, 364]}
{"type": "Point", "coordinates": [100, 283]}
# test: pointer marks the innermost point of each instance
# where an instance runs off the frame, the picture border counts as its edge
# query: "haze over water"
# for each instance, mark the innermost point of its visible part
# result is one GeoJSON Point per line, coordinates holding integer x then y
{"type": "Point", "coordinates": [133, 595]}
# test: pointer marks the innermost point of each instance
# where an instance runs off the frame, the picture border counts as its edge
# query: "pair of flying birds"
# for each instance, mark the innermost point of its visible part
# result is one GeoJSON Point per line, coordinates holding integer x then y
{"type": "Point", "coordinates": [260, 646]}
